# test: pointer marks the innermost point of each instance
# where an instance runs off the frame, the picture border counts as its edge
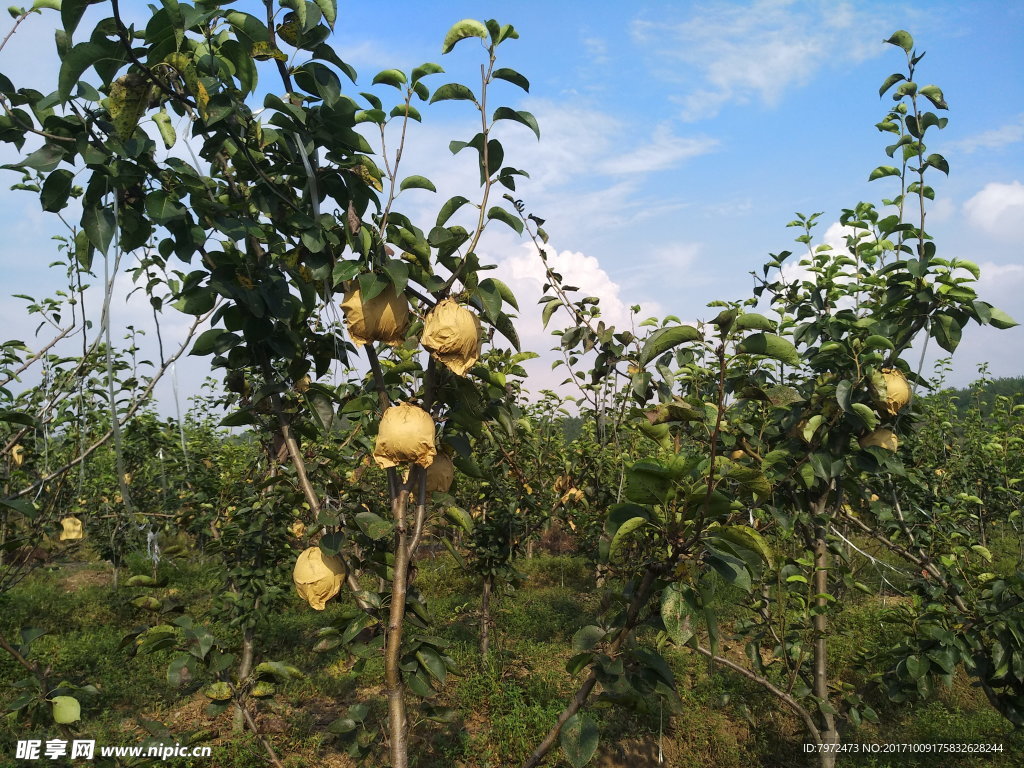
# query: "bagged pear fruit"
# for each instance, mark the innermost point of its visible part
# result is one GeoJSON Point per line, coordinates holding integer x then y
{"type": "Point", "coordinates": [382, 318]}
{"type": "Point", "coordinates": [890, 390]}
{"type": "Point", "coordinates": [440, 474]}
{"type": "Point", "coordinates": [405, 436]}
{"type": "Point", "coordinates": [71, 529]}
{"type": "Point", "coordinates": [451, 333]}
{"type": "Point", "coordinates": [880, 438]}
{"type": "Point", "coordinates": [318, 577]}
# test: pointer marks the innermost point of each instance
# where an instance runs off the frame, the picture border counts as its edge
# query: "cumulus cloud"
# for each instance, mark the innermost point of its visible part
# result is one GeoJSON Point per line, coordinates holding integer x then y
{"type": "Point", "coordinates": [995, 138]}
{"type": "Point", "coordinates": [663, 151]}
{"type": "Point", "coordinates": [740, 51]}
{"type": "Point", "coordinates": [998, 209]}
{"type": "Point", "coordinates": [522, 269]}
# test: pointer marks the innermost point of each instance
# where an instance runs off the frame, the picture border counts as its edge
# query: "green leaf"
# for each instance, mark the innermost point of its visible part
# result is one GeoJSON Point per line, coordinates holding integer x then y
{"type": "Point", "coordinates": [56, 190]}
{"type": "Point", "coordinates": [579, 739]}
{"type": "Point", "coordinates": [983, 551]}
{"type": "Point", "coordinates": [938, 162]}
{"type": "Point", "coordinates": [417, 182]}
{"type": "Point", "coordinates": [866, 414]}
{"type": "Point", "coordinates": [917, 667]}
{"type": "Point", "coordinates": [71, 12]}
{"type": "Point", "coordinates": [329, 8]}
{"type": "Point", "coordinates": [426, 69]}
{"type": "Point", "coordinates": [432, 662]}
{"type": "Point", "coordinates": [460, 30]}
{"type": "Point", "coordinates": [452, 91]}
{"type": "Point", "coordinates": [66, 709]}
{"type": "Point", "coordinates": [166, 128]}
{"type": "Point", "coordinates": [745, 536]}
{"type": "Point", "coordinates": [901, 39]}
{"type": "Point", "coordinates": [499, 213]}
{"type": "Point", "coordinates": [882, 171]}
{"type": "Point", "coordinates": [450, 208]}
{"type": "Point", "coordinates": [625, 531]}
{"type": "Point", "coordinates": [392, 77]}
{"type": "Point", "coordinates": [44, 159]}
{"type": "Point", "coordinates": [99, 224]}
{"type": "Point", "coordinates": [587, 638]}
{"type": "Point", "coordinates": [934, 94]}
{"type": "Point", "coordinates": [811, 427]}
{"type": "Point", "coordinates": [752, 321]}
{"type": "Point", "coordinates": [890, 81]}
{"type": "Point", "coordinates": [373, 525]}
{"type": "Point", "coordinates": [207, 342]}
{"type": "Point", "coordinates": [770, 345]}
{"type": "Point", "coordinates": [665, 339]}
{"type": "Point", "coordinates": [511, 76]}
{"type": "Point", "coordinates": [877, 342]}
{"type": "Point", "coordinates": [398, 272]}
{"type": "Point", "coordinates": [519, 116]}
{"type": "Point", "coordinates": [507, 329]}
{"type": "Point", "coordinates": [219, 691]}
{"type": "Point", "coordinates": [503, 290]}
{"type": "Point", "coordinates": [1001, 320]}
{"type": "Point", "coordinates": [674, 614]}
{"type": "Point", "coordinates": [946, 331]}
{"type": "Point", "coordinates": [79, 59]}
{"type": "Point", "coordinates": [162, 208]}
{"type": "Point", "coordinates": [460, 517]}
{"type": "Point", "coordinates": [406, 110]}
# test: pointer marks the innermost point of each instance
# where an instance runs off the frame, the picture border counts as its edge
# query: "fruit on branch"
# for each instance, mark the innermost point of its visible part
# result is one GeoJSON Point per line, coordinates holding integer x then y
{"type": "Point", "coordinates": [451, 333]}
{"type": "Point", "coordinates": [890, 390]}
{"type": "Point", "coordinates": [571, 495]}
{"type": "Point", "coordinates": [18, 454]}
{"type": "Point", "coordinates": [880, 438]}
{"type": "Point", "coordinates": [129, 97]}
{"type": "Point", "coordinates": [382, 318]}
{"type": "Point", "coordinates": [440, 473]}
{"type": "Point", "coordinates": [405, 436]}
{"type": "Point", "coordinates": [297, 529]}
{"type": "Point", "coordinates": [71, 529]}
{"type": "Point", "coordinates": [318, 577]}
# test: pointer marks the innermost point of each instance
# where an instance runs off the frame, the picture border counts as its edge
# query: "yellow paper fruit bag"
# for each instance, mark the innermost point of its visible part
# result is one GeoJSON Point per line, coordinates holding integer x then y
{"type": "Point", "coordinates": [452, 335]}
{"type": "Point", "coordinates": [382, 318]}
{"type": "Point", "coordinates": [890, 390]}
{"type": "Point", "coordinates": [881, 438]}
{"type": "Point", "coordinates": [71, 529]}
{"type": "Point", "coordinates": [318, 577]}
{"type": "Point", "coordinates": [405, 436]}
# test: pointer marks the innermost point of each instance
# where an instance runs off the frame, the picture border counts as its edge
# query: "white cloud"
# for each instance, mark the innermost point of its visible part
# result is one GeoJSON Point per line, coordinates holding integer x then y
{"type": "Point", "coordinates": [998, 209]}
{"type": "Point", "coordinates": [522, 269]}
{"type": "Point", "coordinates": [663, 151]}
{"type": "Point", "coordinates": [597, 49]}
{"type": "Point", "coordinates": [942, 210]}
{"type": "Point", "coordinates": [736, 52]}
{"type": "Point", "coordinates": [996, 138]}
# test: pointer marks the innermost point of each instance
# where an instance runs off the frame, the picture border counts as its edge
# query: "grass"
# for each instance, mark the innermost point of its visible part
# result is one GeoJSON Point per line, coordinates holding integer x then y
{"type": "Point", "coordinates": [502, 706]}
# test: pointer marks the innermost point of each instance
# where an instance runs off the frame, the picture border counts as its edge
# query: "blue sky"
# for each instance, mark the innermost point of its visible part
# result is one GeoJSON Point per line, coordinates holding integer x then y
{"type": "Point", "coordinates": [677, 140]}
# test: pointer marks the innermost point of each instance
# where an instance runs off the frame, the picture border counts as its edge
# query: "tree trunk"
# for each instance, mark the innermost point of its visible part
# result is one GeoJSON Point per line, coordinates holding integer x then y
{"type": "Point", "coordinates": [397, 723]}
{"type": "Point", "coordinates": [829, 734]}
{"type": "Point", "coordinates": [485, 617]}
{"type": "Point", "coordinates": [244, 670]}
